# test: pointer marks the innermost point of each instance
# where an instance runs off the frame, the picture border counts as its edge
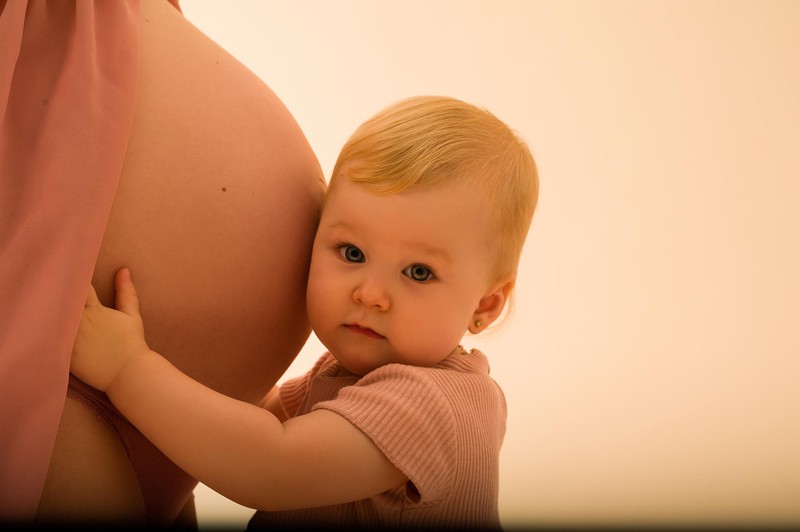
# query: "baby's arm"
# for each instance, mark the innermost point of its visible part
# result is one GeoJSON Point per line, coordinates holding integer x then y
{"type": "Point", "coordinates": [238, 449]}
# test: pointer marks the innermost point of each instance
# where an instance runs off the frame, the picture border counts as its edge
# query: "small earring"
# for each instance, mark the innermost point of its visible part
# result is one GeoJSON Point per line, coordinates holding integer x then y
{"type": "Point", "coordinates": [478, 323]}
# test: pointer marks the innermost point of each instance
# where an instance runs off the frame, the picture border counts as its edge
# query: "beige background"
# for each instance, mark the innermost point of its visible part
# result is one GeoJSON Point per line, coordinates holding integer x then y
{"type": "Point", "coordinates": [652, 366]}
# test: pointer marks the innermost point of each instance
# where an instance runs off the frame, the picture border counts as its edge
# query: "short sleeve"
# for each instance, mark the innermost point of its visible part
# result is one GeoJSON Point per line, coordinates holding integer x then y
{"type": "Point", "coordinates": [409, 417]}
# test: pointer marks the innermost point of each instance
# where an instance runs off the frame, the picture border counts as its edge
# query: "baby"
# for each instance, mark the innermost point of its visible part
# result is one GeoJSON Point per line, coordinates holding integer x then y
{"type": "Point", "coordinates": [419, 241]}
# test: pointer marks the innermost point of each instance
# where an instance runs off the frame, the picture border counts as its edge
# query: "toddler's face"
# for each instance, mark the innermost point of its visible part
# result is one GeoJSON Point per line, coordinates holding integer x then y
{"type": "Point", "coordinates": [396, 279]}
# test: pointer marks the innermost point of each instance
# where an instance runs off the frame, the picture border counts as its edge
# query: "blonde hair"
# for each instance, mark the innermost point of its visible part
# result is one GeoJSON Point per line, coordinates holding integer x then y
{"type": "Point", "coordinates": [430, 141]}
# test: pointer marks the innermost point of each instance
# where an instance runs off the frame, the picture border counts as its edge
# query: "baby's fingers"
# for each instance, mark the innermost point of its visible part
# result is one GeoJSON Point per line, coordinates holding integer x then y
{"type": "Point", "coordinates": [127, 298]}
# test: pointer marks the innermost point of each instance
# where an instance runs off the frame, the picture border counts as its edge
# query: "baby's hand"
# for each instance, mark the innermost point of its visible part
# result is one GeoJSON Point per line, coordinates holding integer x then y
{"type": "Point", "coordinates": [108, 339]}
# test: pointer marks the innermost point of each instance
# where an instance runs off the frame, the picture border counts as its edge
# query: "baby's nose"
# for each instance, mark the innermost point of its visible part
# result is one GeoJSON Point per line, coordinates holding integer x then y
{"type": "Point", "coordinates": [372, 293]}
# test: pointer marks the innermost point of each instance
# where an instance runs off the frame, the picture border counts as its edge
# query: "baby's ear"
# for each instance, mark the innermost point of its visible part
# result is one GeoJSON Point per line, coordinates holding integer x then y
{"type": "Point", "coordinates": [491, 305]}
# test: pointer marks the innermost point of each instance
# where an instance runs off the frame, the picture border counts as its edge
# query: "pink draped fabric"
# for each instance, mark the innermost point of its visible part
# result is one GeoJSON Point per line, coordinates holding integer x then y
{"type": "Point", "coordinates": [68, 81]}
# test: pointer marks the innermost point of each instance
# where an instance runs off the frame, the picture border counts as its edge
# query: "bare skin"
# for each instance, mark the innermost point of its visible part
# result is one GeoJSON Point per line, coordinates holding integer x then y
{"type": "Point", "coordinates": [219, 198]}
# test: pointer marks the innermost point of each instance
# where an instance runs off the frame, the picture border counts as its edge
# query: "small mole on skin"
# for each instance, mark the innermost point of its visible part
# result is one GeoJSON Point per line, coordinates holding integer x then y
{"type": "Point", "coordinates": [224, 189]}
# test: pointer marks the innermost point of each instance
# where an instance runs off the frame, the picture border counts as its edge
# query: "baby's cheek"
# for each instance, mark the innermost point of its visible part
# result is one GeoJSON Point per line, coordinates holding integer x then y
{"type": "Point", "coordinates": [433, 339]}
{"type": "Point", "coordinates": [315, 305]}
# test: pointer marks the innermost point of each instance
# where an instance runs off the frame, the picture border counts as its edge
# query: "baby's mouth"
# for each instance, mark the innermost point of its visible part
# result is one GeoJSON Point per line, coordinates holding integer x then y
{"type": "Point", "coordinates": [364, 331]}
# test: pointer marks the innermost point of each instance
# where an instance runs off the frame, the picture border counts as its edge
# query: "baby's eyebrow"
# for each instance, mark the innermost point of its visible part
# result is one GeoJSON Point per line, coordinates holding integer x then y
{"type": "Point", "coordinates": [341, 224]}
{"type": "Point", "coordinates": [429, 250]}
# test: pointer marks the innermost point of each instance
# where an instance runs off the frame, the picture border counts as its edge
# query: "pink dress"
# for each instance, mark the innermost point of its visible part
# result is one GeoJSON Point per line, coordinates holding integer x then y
{"type": "Point", "coordinates": [68, 81]}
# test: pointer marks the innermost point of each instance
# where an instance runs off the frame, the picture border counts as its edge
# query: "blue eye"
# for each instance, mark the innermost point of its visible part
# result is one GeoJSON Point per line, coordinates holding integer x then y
{"type": "Point", "coordinates": [351, 253]}
{"type": "Point", "coordinates": [419, 273]}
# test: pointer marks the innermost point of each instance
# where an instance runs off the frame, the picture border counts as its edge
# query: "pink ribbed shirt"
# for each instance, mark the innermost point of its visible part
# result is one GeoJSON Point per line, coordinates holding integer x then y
{"type": "Point", "coordinates": [442, 426]}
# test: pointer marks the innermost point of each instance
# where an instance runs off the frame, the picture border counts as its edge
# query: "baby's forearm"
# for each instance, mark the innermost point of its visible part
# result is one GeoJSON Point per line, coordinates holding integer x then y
{"type": "Point", "coordinates": [244, 452]}
{"type": "Point", "coordinates": [216, 439]}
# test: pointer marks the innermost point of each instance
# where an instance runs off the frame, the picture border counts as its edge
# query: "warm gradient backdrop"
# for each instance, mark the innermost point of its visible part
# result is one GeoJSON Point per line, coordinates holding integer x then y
{"type": "Point", "coordinates": [652, 366]}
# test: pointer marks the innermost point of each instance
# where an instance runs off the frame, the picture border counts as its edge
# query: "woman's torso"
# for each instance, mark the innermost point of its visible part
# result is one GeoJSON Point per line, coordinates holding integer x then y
{"type": "Point", "coordinates": [214, 214]}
